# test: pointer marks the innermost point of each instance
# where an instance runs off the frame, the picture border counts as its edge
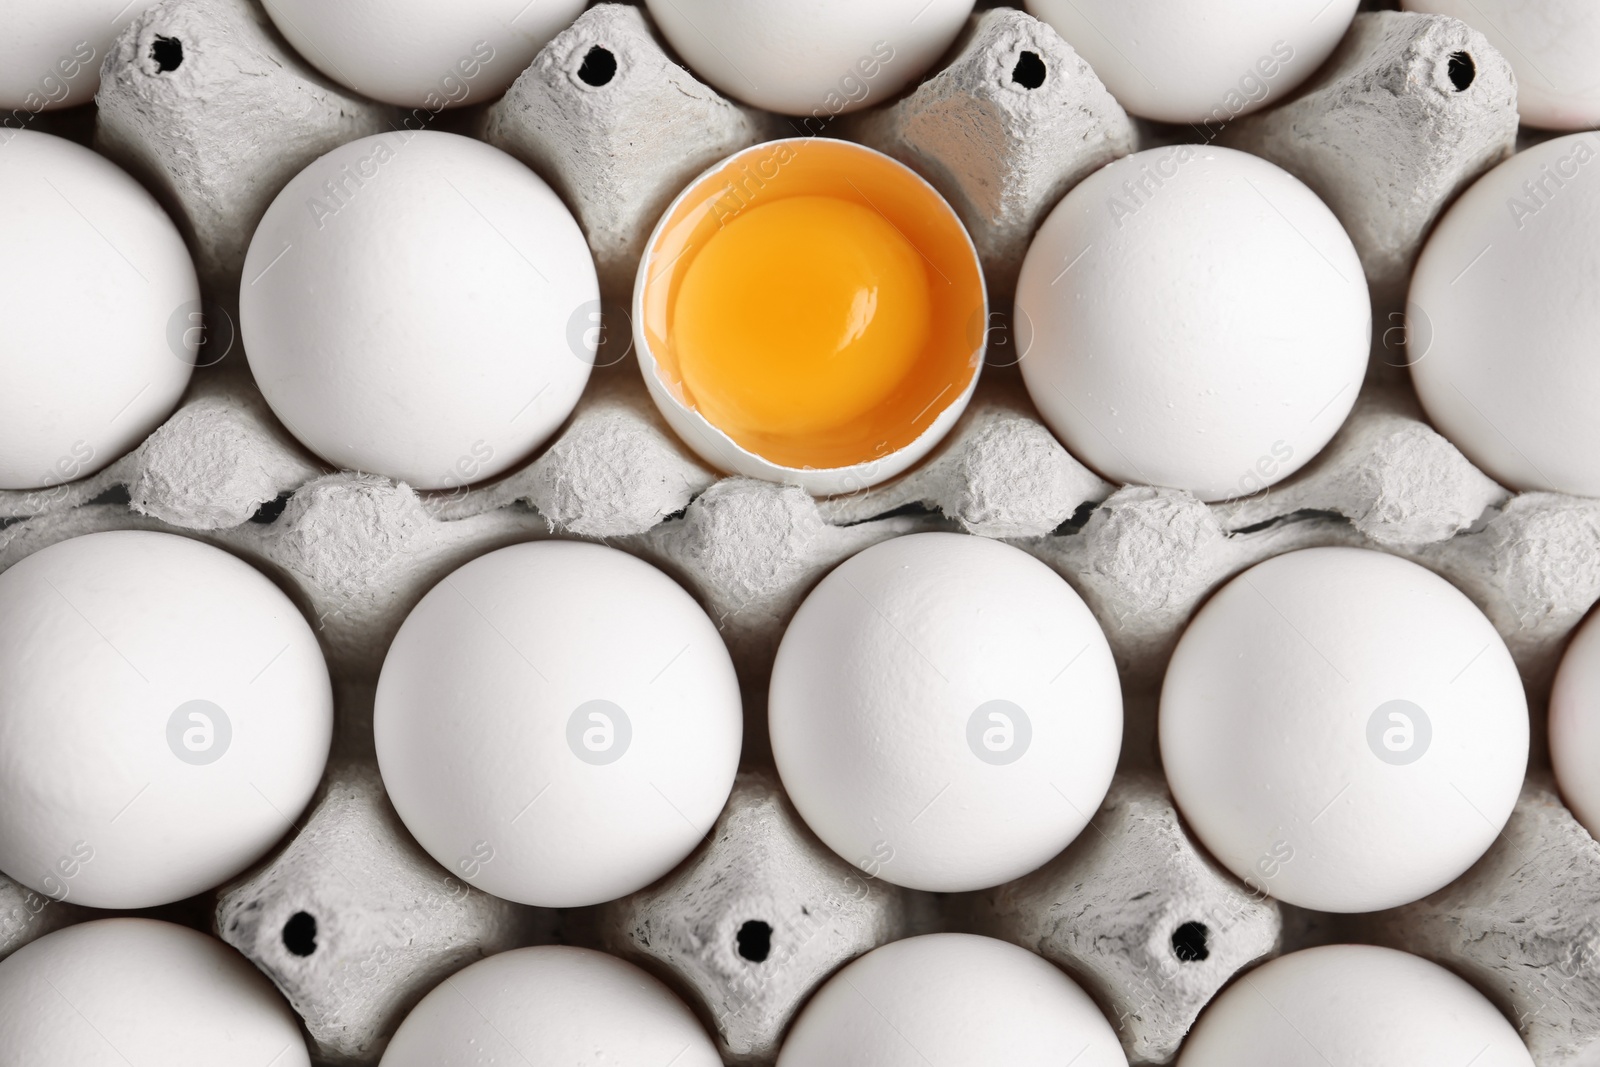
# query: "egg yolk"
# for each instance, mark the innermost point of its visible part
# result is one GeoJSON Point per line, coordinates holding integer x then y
{"type": "Point", "coordinates": [799, 316]}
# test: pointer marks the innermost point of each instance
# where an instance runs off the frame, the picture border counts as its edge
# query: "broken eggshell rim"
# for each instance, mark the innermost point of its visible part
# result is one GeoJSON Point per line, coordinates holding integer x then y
{"type": "Point", "coordinates": [720, 450]}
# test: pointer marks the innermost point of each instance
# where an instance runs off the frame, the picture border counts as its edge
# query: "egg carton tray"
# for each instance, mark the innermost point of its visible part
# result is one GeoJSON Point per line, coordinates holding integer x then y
{"type": "Point", "coordinates": [1135, 910]}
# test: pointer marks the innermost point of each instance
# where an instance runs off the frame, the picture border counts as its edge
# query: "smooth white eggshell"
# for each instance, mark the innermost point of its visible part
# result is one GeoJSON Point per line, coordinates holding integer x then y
{"type": "Point", "coordinates": [51, 51]}
{"type": "Point", "coordinates": [876, 688]}
{"type": "Point", "coordinates": [1575, 725]}
{"type": "Point", "coordinates": [422, 53]}
{"type": "Point", "coordinates": [1352, 1004]}
{"type": "Point", "coordinates": [105, 801]}
{"type": "Point", "coordinates": [1551, 45]}
{"type": "Point", "coordinates": [550, 1006]}
{"type": "Point", "coordinates": [950, 998]}
{"type": "Point", "coordinates": [1503, 313]}
{"type": "Point", "coordinates": [1280, 743]}
{"type": "Point", "coordinates": [420, 324]}
{"type": "Point", "coordinates": [1181, 61]}
{"type": "Point", "coordinates": [98, 288]}
{"type": "Point", "coordinates": [1207, 333]}
{"type": "Point", "coordinates": [126, 991]}
{"type": "Point", "coordinates": [480, 695]}
{"type": "Point", "coordinates": [819, 59]}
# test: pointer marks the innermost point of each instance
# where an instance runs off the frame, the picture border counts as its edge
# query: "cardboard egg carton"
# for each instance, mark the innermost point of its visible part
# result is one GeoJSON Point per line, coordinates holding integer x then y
{"type": "Point", "coordinates": [217, 136]}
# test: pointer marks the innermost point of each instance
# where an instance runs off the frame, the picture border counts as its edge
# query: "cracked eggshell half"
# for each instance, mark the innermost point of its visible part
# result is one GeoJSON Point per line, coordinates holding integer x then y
{"type": "Point", "coordinates": [763, 393]}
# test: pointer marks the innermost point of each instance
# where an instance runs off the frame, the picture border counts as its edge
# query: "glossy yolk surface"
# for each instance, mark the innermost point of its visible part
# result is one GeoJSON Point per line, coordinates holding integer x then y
{"type": "Point", "coordinates": [799, 316]}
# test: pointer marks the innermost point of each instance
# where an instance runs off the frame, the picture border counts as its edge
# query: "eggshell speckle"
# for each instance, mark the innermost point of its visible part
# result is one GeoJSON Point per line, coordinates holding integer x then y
{"type": "Point", "coordinates": [1575, 725]}
{"type": "Point", "coordinates": [551, 1006]}
{"type": "Point", "coordinates": [1343, 729]}
{"type": "Point", "coordinates": [1180, 61]}
{"type": "Point", "coordinates": [417, 305]}
{"type": "Point", "coordinates": [165, 717]}
{"type": "Point", "coordinates": [132, 991]}
{"type": "Point", "coordinates": [97, 340]}
{"type": "Point", "coordinates": [1502, 315]}
{"type": "Point", "coordinates": [1551, 45]}
{"type": "Point", "coordinates": [1352, 1004]}
{"type": "Point", "coordinates": [950, 998]}
{"type": "Point", "coordinates": [818, 59]}
{"type": "Point", "coordinates": [558, 723]}
{"type": "Point", "coordinates": [51, 51]}
{"type": "Point", "coordinates": [421, 53]}
{"type": "Point", "coordinates": [1193, 317]}
{"type": "Point", "coordinates": [945, 712]}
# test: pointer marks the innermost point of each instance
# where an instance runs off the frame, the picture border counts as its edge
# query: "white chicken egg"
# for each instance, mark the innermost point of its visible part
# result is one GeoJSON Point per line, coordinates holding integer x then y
{"type": "Point", "coordinates": [408, 305]}
{"type": "Point", "coordinates": [1343, 729]}
{"type": "Point", "coordinates": [1551, 46]}
{"type": "Point", "coordinates": [558, 723]}
{"type": "Point", "coordinates": [1193, 317]}
{"type": "Point", "coordinates": [152, 683]}
{"type": "Point", "coordinates": [817, 59]}
{"type": "Point", "coordinates": [551, 1006]}
{"type": "Point", "coordinates": [945, 712]}
{"type": "Point", "coordinates": [51, 51]}
{"type": "Point", "coordinates": [1575, 725]}
{"type": "Point", "coordinates": [420, 53]}
{"type": "Point", "coordinates": [1502, 317]}
{"type": "Point", "coordinates": [1350, 1004]}
{"type": "Point", "coordinates": [122, 991]}
{"type": "Point", "coordinates": [951, 998]}
{"type": "Point", "coordinates": [97, 341]}
{"type": "Point", "coordinates": [1181, 61]}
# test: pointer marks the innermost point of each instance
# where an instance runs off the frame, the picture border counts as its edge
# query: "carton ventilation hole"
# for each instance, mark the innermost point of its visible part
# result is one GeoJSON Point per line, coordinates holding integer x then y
{"type": "Point", "coordinates": [167, 53]}
{"type": "Point", "coordinates": [1189, 942]}
{"type": "Point", "coordinates": [1462, 70]}
{"type": "Point", "coordinates": [755, 940]}
{"type": "Point", "coordinates": [300, 934]}
{"type": "Point", "coordinates": [1029, 71]}
{"type": "Point", "coordinates": [599, 66]}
